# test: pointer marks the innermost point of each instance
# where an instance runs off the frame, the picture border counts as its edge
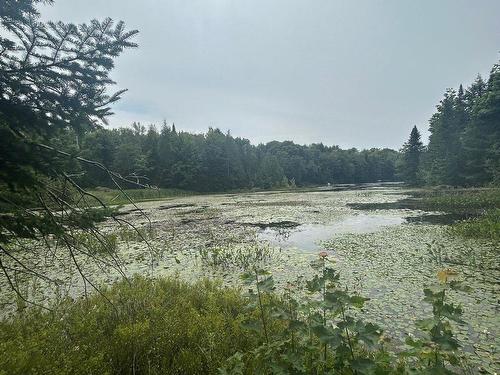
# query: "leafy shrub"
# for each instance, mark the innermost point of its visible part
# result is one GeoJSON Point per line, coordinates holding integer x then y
{"type": "Point", "coordinates": [150, 327]}
{"type": "Point", "coordinates": [164, 326]}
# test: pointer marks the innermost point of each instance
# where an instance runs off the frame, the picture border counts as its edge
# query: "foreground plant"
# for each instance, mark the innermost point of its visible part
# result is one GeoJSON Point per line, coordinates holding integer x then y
{"type": "Point", "coordinates": [146, 326]}
{"type": "Point", "coordinates": [164, 326]}
{"type": "Point", "coordinates": [316, 336]}
{"type": "Point", "coordinates": [436, 351]}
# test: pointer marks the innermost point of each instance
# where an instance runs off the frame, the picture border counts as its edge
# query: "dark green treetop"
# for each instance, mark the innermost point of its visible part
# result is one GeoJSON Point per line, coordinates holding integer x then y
{"type": "Point", "coordinates": [412, 150]}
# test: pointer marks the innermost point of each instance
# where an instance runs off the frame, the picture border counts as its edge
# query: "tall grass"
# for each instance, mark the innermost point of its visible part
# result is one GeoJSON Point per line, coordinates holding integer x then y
{"type": "Point", "coordinates": [458, 200]}
{"type": "Point", "coordinates": [150, 327]}
{"type": "Point", "coordinates": [481, 207]}
{"type": "Point", "coordinates": [113, 196]}
{"type": "Point", "coordinates": [486, 227]}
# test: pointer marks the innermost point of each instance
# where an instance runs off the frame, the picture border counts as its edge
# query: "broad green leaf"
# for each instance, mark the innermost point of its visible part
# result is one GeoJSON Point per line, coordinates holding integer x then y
{"type": "Point", "coordinates": [328, 336]}
{"type": "Point", "coordinates": [364, 366]}
{"type": "Point", "coordinates": [357, 301]}
{"type": "Point", "coordinates": [266, 285]}
{"type": "Point", "coordinates": [369, 333]}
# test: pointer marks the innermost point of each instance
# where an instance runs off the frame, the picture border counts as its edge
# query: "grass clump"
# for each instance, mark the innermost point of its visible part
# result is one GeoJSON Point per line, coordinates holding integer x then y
{"type": "Point", "coordinates": [479, 208]}
{"type": "Point", "coordinates": [227, 257]}
{"type": "Point", "coordinates": [486, 226]}
{"type": "Point", "coordinates": [97, 244]}
{"type": "Point", "coordinates": [461, 201]}
{"type": "Point", "coordinates": [140, 234]}
{"type": "Point", "coordinates": [150, 327]}
{"type": "Point", "coordinates": [117, 197]}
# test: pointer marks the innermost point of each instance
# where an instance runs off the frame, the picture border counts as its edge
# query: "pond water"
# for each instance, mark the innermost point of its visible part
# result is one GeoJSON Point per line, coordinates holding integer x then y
{"type": "Point", "coordinates": [308, 237]}
{"type": "Point", "coordinates": [384, 251]}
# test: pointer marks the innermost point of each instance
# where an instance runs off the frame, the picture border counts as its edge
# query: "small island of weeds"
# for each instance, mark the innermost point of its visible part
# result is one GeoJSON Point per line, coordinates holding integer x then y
{"type": "Point", "coordinates": [479, 209]}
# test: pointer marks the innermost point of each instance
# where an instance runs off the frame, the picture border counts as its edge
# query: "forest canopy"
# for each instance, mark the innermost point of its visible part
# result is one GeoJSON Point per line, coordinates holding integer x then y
{"type": "Point", "coordinates": [464, 145]}
{"type": "Point", "coordinates": [217, 161]}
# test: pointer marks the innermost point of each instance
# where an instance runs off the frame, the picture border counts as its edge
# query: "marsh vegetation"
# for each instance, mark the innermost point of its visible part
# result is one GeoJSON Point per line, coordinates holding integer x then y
{"type": "Point", "coordinates": [378, 248]}
{"type": "Point", "coordinates": [155, 250]}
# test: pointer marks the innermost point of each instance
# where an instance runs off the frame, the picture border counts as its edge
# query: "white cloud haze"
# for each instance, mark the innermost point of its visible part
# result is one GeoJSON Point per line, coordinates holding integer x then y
{"type": "Point", "coordinates": [352, 73]}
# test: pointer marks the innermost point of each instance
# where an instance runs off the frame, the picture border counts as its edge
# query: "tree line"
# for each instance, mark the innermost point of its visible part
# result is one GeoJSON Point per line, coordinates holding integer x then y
{"type": "Point", "coordinates": [217, 161]}
{"type": "Point", "coordinates": [464, 144]}
{"type": "Point", "coordinates": [463, 150]}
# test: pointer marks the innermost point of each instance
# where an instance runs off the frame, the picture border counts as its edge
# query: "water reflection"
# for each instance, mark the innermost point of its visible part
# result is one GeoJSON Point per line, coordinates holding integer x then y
{"type": "Point", "coordinates": [308, 236]}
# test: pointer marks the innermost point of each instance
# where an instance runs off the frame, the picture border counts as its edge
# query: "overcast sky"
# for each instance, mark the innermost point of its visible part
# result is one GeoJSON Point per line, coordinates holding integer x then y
{"type": "Point", "coordinates": [350, 73]}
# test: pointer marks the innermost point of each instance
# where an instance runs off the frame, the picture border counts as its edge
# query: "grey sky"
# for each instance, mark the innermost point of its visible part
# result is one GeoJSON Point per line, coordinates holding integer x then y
{"type": "Point", "coordinates": [352, 73]}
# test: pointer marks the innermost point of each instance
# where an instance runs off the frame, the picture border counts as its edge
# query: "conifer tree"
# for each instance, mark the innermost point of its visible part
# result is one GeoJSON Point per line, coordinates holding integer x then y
{"type": "Point", "coordinates": [54, 80]}
{"type": "Point", "coordinates": [482, 137]}
{"type": "Point", "coordinates": [443, 159]}
{"type": "Point", "coordinates": [409, 167]}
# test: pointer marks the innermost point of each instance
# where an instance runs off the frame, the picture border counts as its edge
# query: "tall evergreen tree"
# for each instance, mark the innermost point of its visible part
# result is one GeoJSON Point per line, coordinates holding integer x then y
{"type": "Point", "coordinates": [482, 138]}
{"type": "Point", "coordinates": [443, 159]}
{"type": "Point", "coordinates": [409, 167]}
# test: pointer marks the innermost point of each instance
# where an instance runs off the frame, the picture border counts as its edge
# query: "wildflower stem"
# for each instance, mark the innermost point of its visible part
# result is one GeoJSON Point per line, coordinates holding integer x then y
{"type": "Point", "coordinates": [261, 307]}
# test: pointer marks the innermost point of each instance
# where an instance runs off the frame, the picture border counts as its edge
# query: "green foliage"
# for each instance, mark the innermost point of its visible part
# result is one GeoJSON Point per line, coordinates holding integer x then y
{"type": "Point", "coordinates": [54, 85]}
{"type": "Point", "coordinates": [105, 244]}
{"type": "Point", "coordinates": [437, 352]}
{"type": "Point", "coordinates": [215, 161]}
{"type": "Point", "coordinates": [482, 136]}
{"type": "Point", "coordinates": [479, 207]}
{"type": "Point", "coordinates": [464, 145]}
{"type": "Point", "coordinates": [227, 256]}
{"type": "Point", "coordinates": [164, 326]}
{"type": "Point", "coordinates": [458, 201]}
{"type": "Point", "coordinates": [445, 148]}
{"type": "Point", "coordinates": [409, 165]}
{"type": "Point", "coordinates": [152, 327]}
{"type": "Point", "coordinates": [116, 197]}
{"type": "Point", "coordinates": [316, 335]}
{"type": "Point", "coordinates": [486, 226]}
{"type": "Point", "coordinates": [140, 234]}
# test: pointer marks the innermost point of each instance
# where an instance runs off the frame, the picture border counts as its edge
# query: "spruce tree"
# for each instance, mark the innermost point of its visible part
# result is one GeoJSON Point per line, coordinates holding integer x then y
{"type": "Point", "coordinates": [444, 164]}
{"type": "Point", "coordinates": [54, 81]}
{"type": "Point", "coordinates": [482, 137]}
{"type": "Point", "coordinates": [411, 156]}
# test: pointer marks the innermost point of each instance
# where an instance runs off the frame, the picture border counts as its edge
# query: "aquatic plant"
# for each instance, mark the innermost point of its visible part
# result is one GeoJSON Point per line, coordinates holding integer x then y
{"type": "Point", "coordinates": [136, 234]}
{"type": "Point", "coordinates": [103, 243]}
{"type": "Point", "coordinates": [235, 256]}
{"type": "Point", "coordinates": [164, 326]}
{"type": "Point", "coordinates": [115, 197]}
{"type": "Point", "coordinates": [486, 227]}
{"type": "Point", "coordinates": [391, 266]}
